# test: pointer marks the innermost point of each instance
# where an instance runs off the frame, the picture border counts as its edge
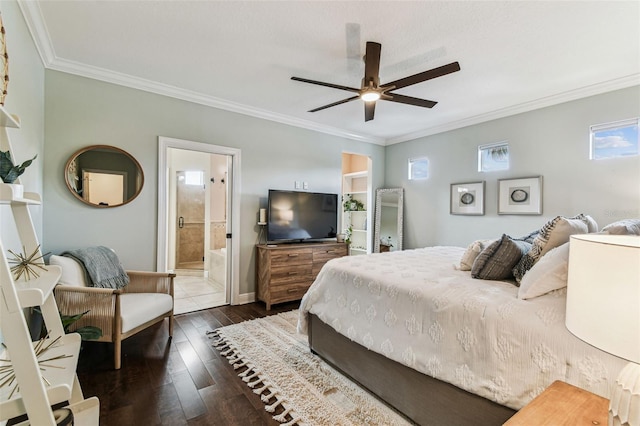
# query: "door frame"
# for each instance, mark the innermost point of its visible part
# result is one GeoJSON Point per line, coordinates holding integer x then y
{"type": "Point", "coordinates": [233, 255]}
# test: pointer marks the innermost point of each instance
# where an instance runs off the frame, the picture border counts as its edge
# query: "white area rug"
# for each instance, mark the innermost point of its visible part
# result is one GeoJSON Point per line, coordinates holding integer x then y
{"type": "Point", "coordinates": [276, 362]}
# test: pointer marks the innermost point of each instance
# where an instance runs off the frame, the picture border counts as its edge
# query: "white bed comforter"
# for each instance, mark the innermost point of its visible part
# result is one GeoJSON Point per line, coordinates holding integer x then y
{"type": "Point", "coordinates": [414, 307]}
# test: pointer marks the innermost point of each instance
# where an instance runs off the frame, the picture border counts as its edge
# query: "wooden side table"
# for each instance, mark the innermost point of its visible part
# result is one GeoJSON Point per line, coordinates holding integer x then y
{"type": "Point", "coordinates": [563, 404]}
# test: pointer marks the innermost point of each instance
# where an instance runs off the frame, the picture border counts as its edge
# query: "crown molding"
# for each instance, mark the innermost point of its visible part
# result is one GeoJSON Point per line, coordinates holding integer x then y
{"type": "Point", "coordinates": [35, 23]}
{"type": "Point", "coordinates": [572, 95]}
{"type": "Point", "coordinates": [109, 76]}
{"type": "Point", "coordinates": [39, 32]}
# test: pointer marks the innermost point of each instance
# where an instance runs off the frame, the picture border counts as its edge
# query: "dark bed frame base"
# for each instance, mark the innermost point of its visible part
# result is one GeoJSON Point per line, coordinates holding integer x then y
{"type": "Point", "coordinates": [421, 398]}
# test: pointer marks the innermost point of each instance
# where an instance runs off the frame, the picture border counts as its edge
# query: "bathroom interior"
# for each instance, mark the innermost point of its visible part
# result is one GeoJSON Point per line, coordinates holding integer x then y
{"type": "Point", "coordinates": [198, 228]}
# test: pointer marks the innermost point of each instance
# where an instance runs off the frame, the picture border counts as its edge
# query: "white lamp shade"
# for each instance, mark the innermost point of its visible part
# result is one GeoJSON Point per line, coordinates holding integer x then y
{"type": "Point", "coordinates": [603, 293]}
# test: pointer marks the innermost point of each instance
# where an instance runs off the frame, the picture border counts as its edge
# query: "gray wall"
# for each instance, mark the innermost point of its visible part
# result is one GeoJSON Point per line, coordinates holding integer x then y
{"type": "Point", "coordinates": [25, 98]}
{"type": "Point", "coordinates": [552, 142]}
{"type": "Point", "coordinates": [81, 112]}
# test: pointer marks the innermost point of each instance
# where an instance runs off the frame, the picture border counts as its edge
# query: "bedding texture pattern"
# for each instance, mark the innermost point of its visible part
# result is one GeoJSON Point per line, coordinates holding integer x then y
{"type": "Point", "coordinates": [416, 308]}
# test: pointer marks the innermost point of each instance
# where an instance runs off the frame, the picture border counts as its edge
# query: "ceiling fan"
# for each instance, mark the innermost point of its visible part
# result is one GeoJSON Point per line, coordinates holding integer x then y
{"type": "Point", "coordinates": [371, 90]}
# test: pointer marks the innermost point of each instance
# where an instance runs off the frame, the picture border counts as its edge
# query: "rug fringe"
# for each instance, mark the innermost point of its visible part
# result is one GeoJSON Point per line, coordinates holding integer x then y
{"type": "Point", "coordinates": [252, 377]}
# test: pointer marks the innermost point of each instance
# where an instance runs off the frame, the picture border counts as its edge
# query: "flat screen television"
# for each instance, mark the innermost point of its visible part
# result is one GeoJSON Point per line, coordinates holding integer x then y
{"type": "Point", "coordinates": [301, 216]}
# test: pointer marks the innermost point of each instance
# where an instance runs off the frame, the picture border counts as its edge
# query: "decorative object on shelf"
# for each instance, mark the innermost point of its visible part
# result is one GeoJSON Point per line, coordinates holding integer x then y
{"type": "Point", "coordinates": [520, 196]}
{"type": "Point", "coordinates": [4, 65]}
{"type": "Point", "coordinates": [352, 205]}
{"type": "Point", "coordinates": [8, 375]}
{"type": "Point", "coordinates": [347, 234]}
{"type": "Point", "coordinates": [467, 198]}
{"type": "Point", "coordinates": [10, 172]}
{"type": "Point", "coordinates": [602, 309]}
{"type": "Point", "coordinates": [340, 238]}
{"type": "Point", "coordinates": [24, 264]}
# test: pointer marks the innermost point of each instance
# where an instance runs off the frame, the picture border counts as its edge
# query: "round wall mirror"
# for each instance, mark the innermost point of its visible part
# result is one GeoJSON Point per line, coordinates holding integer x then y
{"type": "Point", "coordinates": [103, 176]}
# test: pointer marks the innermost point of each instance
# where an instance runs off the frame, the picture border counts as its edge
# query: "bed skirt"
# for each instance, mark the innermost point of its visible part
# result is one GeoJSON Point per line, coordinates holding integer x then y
{"type": "Point", "coordinates": [423, 399]}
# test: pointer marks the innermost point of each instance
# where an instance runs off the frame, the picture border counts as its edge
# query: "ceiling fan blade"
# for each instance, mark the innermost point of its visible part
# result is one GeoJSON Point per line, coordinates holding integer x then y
{"type": "Point", "coordinates": [424, 76]}
{"type": "Point", "coordinates": [320, 83]}
{"type": "Point", "coordinates": [369, 110]}
{"type": "Point", "coordinates": [335, 103]}
{"type": "Point", "coordinates": [372, 64]}
{"type": "Point", "coordinates": [409, 100]}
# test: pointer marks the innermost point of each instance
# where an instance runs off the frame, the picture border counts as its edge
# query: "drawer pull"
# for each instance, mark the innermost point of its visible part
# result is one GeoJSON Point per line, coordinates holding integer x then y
{"type": "Point", "coordinates": [291, 290]}
{"type": "Point", "coordinates": [293, 255]}
{"type": "Point", "coordinates": [331, 251]}
{"type": "Point", "coordinates": [293, 273]}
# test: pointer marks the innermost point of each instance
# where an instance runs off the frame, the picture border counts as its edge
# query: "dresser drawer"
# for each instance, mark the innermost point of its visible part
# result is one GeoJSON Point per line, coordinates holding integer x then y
{"type": "Point", "coordinates": [288, 293]}
{"type": "Point", "coordinates": [291, 257]}
{"type": "Point", "coordinates": [286, 274]}
{"type": "Point", "coordinates": [325, 254]}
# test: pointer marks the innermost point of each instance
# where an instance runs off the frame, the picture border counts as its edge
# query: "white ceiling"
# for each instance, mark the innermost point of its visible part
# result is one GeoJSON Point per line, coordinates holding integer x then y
{"type": "Point", "coordinates": [514, 55]}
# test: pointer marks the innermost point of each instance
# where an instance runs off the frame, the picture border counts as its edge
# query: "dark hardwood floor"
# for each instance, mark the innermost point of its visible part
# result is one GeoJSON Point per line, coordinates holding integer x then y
{"type": "Point", "coordinates": [182, 381]}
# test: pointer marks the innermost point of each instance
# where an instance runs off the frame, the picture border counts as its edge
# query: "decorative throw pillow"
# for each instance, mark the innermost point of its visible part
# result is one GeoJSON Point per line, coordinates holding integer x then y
{"type": "Point", "coordinates": [496, 262]}
{"type": "Point", "coordinates": [623, 227]}
{"type": "Point", "coordinates": [469, 256]}
{"type": "Point", "coordinates": [548, 274]}
{"type": "Point", "coordinates": [72, 271]}
{"type": "Point", "coordinates": [553, 234]}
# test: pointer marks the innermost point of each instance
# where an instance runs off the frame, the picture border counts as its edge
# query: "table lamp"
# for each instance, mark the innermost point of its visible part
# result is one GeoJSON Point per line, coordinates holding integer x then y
{"type": "Point", "coordinates": [603, 309]}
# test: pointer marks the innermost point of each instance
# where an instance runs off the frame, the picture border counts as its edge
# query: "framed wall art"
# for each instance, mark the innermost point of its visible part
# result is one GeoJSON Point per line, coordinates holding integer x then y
{"type": "Point", "coordinates": [520, 196]}
{"type": "Point", "coordinates": [467, 198]}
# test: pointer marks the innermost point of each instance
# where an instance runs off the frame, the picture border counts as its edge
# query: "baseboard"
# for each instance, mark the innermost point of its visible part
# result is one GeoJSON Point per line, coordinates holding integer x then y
{"type": "Point", "coordinates": [245, 298]}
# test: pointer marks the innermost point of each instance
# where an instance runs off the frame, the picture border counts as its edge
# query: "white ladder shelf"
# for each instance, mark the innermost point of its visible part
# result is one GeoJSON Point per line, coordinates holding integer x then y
{"type": "Point", "coordinates": [38, 389]}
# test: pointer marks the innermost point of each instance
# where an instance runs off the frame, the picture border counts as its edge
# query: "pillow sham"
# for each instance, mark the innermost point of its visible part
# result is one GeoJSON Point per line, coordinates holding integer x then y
{"type": "Point", "coordinates": [623, 227]}
{"type": "Point", "coordinates": [496, 262]}
{"type": "Point", "coordinates": [553, 234]}
{"type": "Point", "coordinates": [472, 252]}
{"type": "Point", "coordinates": [72, 271]}
{"type": "Point", "coordinates": [548, 274]}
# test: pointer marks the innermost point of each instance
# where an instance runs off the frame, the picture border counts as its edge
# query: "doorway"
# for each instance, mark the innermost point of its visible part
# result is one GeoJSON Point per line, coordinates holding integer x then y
{"type": "Point", "coordinates": [190, 211]}
{"type": "Point", "coordinates": [197, 186]}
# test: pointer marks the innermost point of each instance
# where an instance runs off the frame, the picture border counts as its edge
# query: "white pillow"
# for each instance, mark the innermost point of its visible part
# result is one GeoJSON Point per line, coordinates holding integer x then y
{"type": "Point", "coordinates": [548, 274]}
{"type": "Point", "coordinates": [469, 256]}
{"type": "Point", "coordinates": [72, 272]}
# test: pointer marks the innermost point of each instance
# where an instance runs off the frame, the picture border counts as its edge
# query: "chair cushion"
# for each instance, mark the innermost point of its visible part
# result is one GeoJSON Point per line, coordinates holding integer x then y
{"type": "Point", "coordinates": [72, 272]}
{"type": "Point", "coordinates": [139, 308]}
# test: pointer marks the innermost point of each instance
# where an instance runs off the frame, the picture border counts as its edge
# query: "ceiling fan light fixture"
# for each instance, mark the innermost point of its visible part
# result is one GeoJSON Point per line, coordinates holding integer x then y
{"type": "Point", "coordinates": [370, 95]}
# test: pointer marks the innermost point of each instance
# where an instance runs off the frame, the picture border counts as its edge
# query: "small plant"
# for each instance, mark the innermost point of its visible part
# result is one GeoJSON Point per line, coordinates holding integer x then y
{"type": "Point", "coordinates": [88, 332]}
{"type": "Point", "coordinates": [352, 205]}
{"type": "Point", "coordinates": [347, 234]}
{"type": "Point", "coordinates": [10, 172]}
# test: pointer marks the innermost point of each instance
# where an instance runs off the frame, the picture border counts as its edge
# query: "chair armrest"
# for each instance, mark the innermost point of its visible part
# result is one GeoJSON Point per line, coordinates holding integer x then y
{"type": "Point", "coordinates": [149, 282]}
{"type": "Point", "coordinates": [99, 302]}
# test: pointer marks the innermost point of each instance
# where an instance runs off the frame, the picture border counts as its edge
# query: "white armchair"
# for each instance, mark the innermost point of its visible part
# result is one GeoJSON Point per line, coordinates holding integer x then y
{"type": "Point", "coordinates": [146, 300]}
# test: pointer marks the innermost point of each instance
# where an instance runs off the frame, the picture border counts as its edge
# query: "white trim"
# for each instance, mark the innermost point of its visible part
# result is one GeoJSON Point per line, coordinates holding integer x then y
{"type": "Point", "coordinates": [35, 22]}
{"type": "Point", "coordinates": [165, 143]}
{"type": "Point", "coordinates": [39, 33]}
{"type": "Point", "coordinates": [245, 298]}
{"type": "Point", "coordinates": [572, 95]}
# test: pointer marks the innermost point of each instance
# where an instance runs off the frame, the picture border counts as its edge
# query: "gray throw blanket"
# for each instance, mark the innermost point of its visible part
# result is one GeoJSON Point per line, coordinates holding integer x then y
{"type": "Point", "coordinates": [101, 266]}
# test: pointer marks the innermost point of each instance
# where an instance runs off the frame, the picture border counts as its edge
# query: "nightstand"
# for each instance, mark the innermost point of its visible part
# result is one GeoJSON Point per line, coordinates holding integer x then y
{"type": "Point", "coordinates": [563, 404]}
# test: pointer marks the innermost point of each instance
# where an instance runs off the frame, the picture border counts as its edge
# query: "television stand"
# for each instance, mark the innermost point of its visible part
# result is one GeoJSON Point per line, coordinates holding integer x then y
{"type": "Point", "coordinates": [285, 272]}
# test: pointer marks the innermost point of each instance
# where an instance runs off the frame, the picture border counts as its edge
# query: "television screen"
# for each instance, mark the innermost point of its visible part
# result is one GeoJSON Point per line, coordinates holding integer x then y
{"type": "Point", "coordinates": [299, 216]}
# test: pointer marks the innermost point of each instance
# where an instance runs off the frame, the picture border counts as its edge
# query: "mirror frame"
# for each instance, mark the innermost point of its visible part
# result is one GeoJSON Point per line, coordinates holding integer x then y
{"type": "Point", "coordinates": [379, 194]}
{"type": "Point", "coordinates": [79, 152]}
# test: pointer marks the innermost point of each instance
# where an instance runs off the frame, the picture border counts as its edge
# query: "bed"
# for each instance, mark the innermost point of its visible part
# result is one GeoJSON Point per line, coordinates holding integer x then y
{"type": "Point", "coordinates": [443, 347]}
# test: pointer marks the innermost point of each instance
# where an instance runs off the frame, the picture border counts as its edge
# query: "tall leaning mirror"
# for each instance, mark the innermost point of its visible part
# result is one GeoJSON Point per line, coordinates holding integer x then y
{"type": "Point", "coordinates": [388, 219]}
{"type": "Point", "coordinates": [103, 176]}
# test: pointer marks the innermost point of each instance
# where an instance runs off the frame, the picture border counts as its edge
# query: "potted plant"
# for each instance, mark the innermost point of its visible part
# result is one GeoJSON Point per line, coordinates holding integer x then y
{"type": "Point", "coordinates": [10, 172]}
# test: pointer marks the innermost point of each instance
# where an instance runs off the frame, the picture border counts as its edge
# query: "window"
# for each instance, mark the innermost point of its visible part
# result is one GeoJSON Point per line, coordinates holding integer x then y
{"type": "Point", "coordinates": [493, 157]}
{"type": "Point", "coordinates": [612, 140]}
{"type": "Point", "coordinates": [418, 168]}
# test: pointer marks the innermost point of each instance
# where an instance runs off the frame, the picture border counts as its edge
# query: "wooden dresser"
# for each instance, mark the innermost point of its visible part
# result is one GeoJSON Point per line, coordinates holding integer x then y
{"type": "Point", "coordinates": [285, 271]}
